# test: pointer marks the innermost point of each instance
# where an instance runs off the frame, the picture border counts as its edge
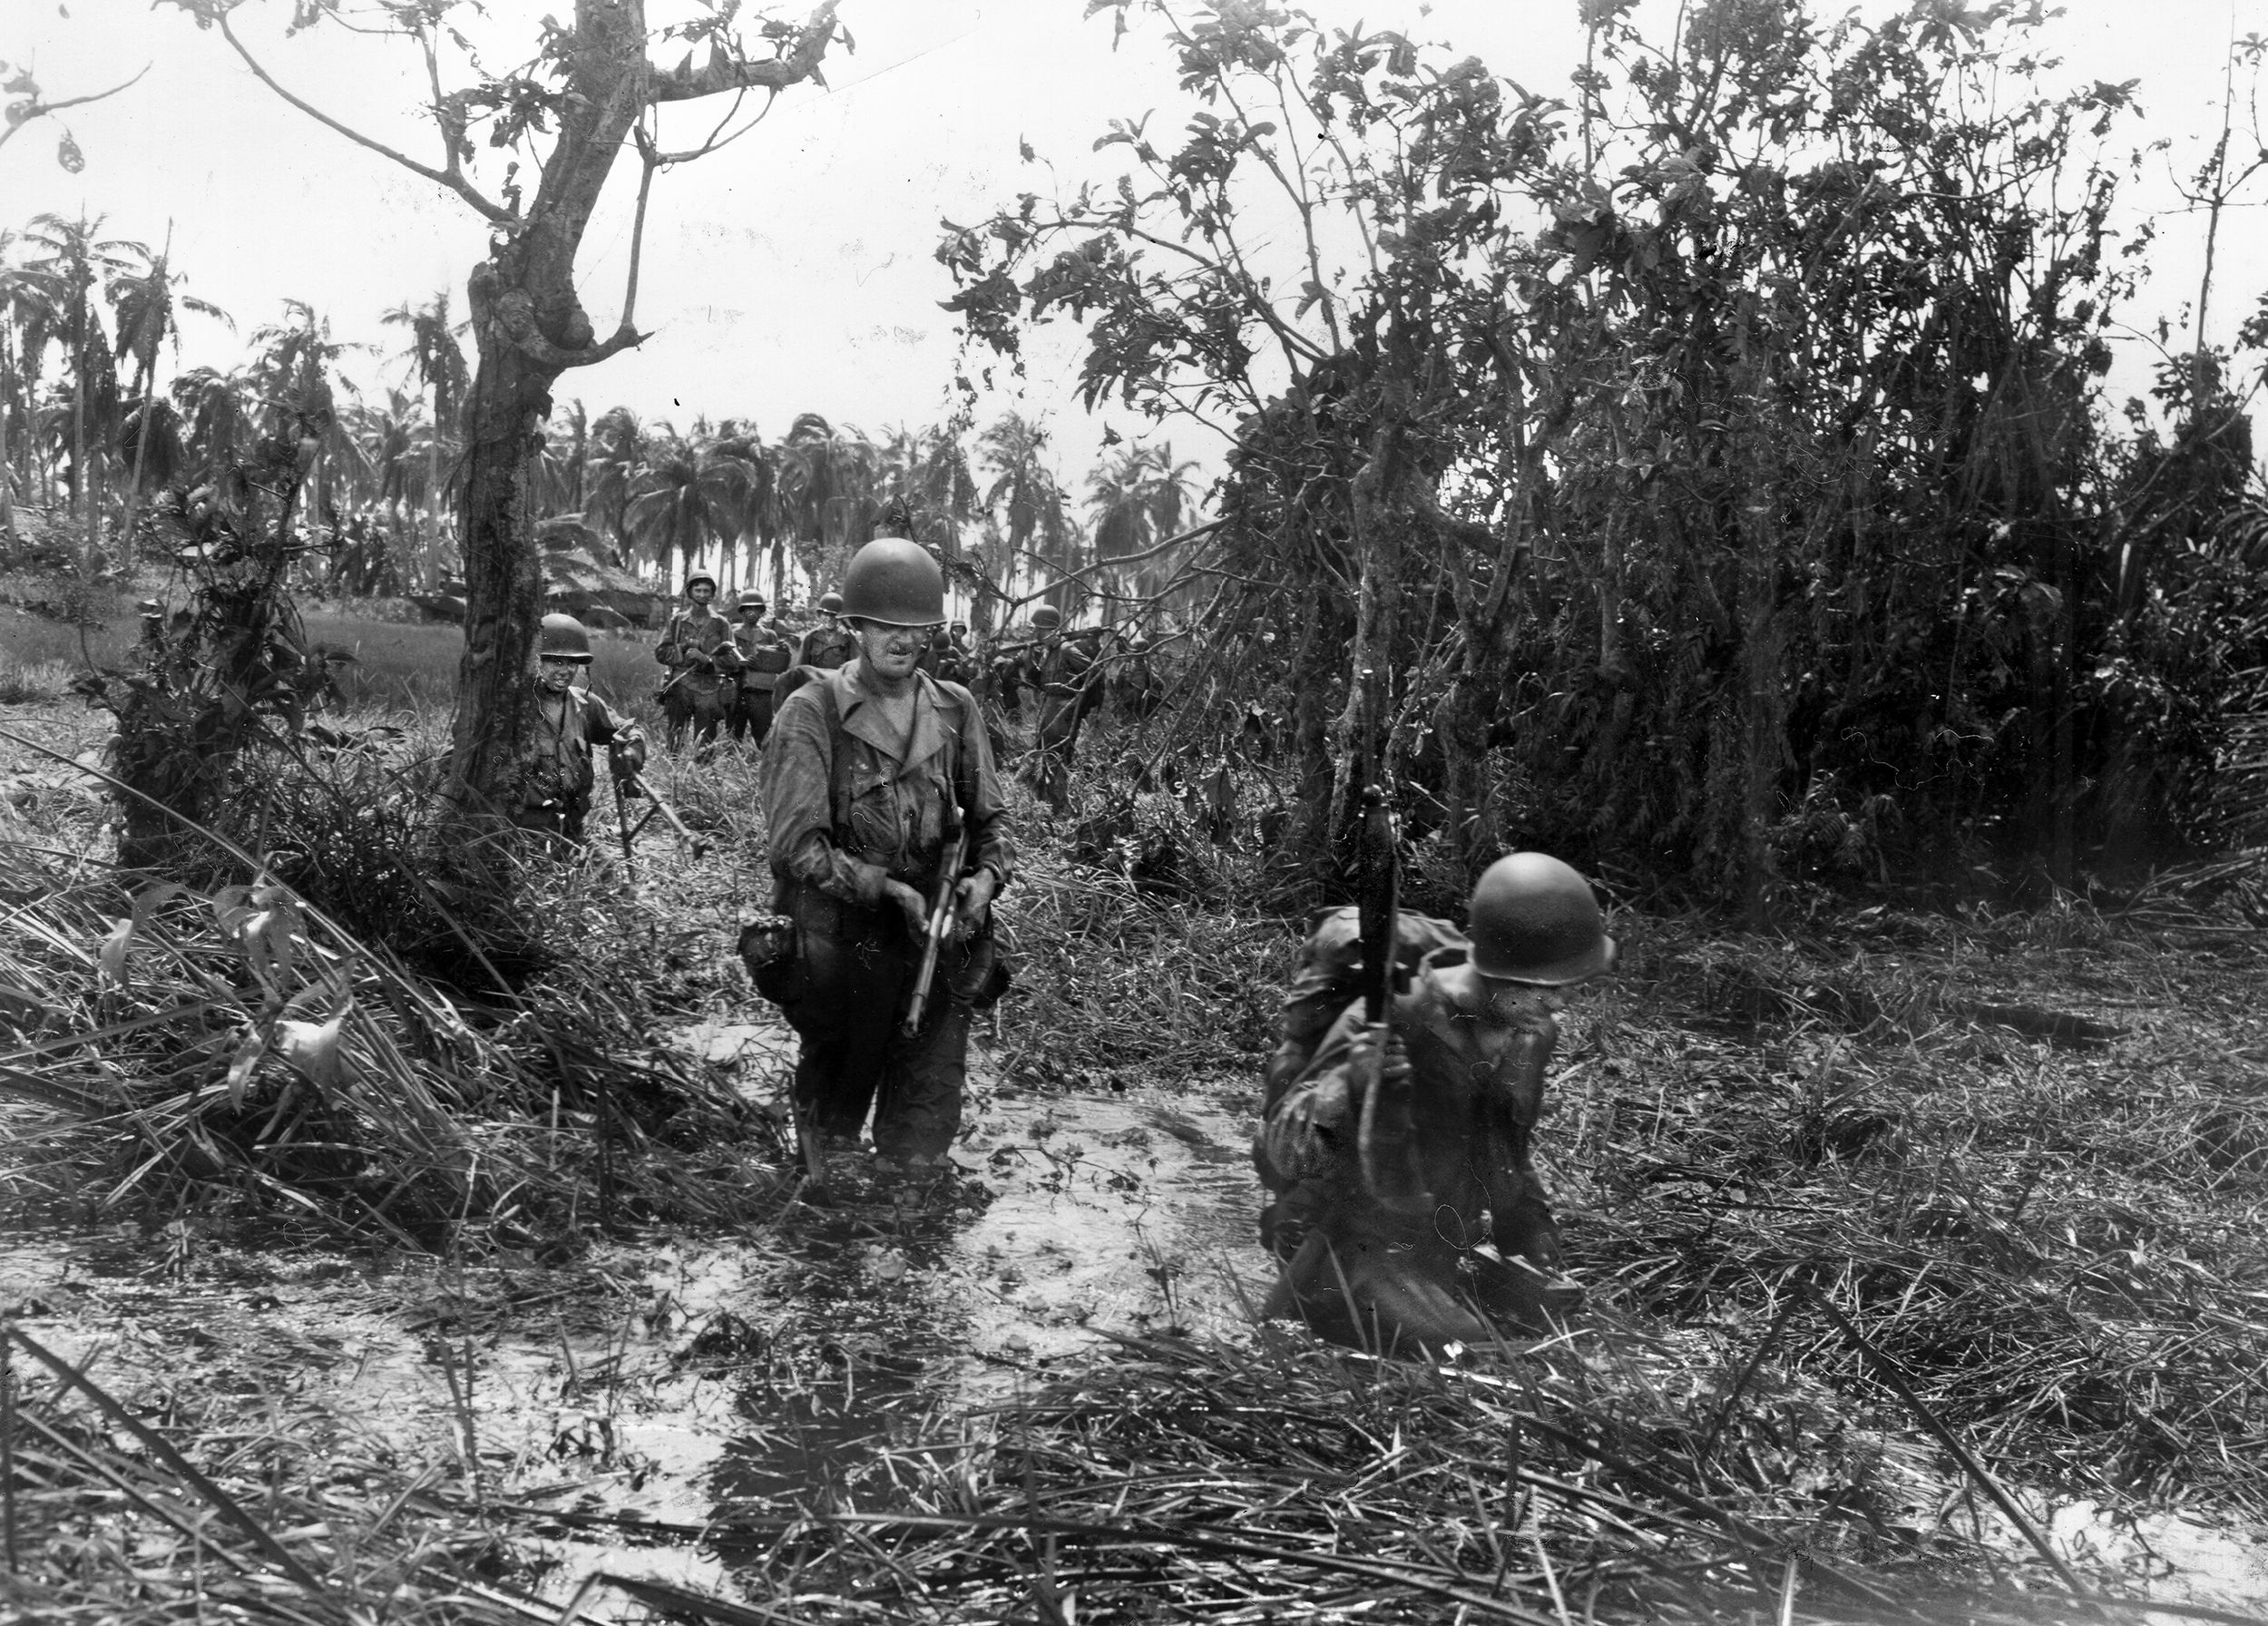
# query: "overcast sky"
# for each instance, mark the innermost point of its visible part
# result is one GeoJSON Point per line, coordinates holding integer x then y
{"type": "Point", "coordinates": [793, 271]}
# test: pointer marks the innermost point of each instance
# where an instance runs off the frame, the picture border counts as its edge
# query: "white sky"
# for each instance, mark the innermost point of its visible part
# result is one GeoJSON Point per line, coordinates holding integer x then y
{"type": "Point", "coordinates": [793, 272]}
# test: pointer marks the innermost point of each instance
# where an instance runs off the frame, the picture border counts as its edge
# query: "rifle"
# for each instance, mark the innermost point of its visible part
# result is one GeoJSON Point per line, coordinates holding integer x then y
{"type": "Point", "coordinates": [1386, 1143]}
{"type": "Point", "coordinates": [940, 922]}
{"type": "Point", "coordinates": [668, 813]}
{"type": "Point", "coordinates": [621, 822]}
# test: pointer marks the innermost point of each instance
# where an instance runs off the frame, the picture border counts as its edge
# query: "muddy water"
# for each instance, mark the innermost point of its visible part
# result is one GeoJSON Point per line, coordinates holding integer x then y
{"type": "Point", "coordinates": [657, 1381]}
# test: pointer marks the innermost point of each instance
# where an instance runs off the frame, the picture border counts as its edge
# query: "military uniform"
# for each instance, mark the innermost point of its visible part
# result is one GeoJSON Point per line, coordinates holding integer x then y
{"type": "Point", "coordinates": [1452, 1144]}
{"type": "Point", "coordinates": [697, 646]}
{"type": "Point", "coordinates": [556, 775]}
{"type": "Point", "coordinates": [1068, 683]}
{"type": "Point", "coordinates": [763, 656]}
{"type": "Point", "coordinates": [850, 805]}
{"type": "Point", "coordinates": [826, 646]}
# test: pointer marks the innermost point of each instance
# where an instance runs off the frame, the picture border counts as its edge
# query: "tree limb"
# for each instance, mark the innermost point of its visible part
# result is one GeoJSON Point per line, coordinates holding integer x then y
{"type": "Point", "coordinates": [451, 180]}
{"type": "Point", "coordinates": [40, 110]}
{"type": "Point", "coordinates": [800, 63]}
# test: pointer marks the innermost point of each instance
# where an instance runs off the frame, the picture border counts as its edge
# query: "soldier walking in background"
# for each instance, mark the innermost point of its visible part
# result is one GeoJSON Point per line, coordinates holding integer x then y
{"type": "Point", "coordinates": [827, 645]}
{"type": "Point", "coordinates": [883, 806]}
{"type": "Point", "coordinates": [698, 651]}
{"type": "Point", "coordinates": [1069, 686]}
{"type": "Point", "coordinates": [1387, 1169]}
{"type": "Point", "coordinates": [556, 776]}
{"type": "Point", "coordinates": [763, 656]}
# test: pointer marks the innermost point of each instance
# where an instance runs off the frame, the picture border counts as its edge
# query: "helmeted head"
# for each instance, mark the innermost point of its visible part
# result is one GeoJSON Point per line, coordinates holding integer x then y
{"type": "Point", "coordinates": [1535, 920]}
{"type": "Point", "coordinates": [753, 604]}
{"type": "Point", "coordinates": [563, 648]}
{"type": "Point", "coordinates": [696, 583]}
{"type": "Point", "coordinates": [1138, 645]}
{"type": "Point", "coordinates": [830, 604]}
{"type": "Point", "coordinates": [1047, 618]}
{"type": "Point", "coordinates": [895, 584]}
{"type": "Point", "coordinates": [959, 628]}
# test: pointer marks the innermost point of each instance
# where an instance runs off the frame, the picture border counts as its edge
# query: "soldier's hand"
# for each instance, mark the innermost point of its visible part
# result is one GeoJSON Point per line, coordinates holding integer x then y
{"type": "Point", "coordinates": [1391, 1068]}
{"type": "Point", "coordinates": [971, 898]}
{"type": "Point", "coordinates": [910, 903]}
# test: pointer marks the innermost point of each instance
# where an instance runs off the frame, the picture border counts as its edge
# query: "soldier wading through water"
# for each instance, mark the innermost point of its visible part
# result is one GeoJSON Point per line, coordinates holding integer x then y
{"type": "Point", "coordinates": [874, 774]}
{"type": "Point", "coordinates": [1379, 1202]}
{"type": "Point", "coordinates": [556, 776]}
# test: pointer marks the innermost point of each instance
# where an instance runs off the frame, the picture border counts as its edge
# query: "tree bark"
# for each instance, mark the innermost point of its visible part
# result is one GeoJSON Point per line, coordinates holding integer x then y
{"type": "Point", "coordinates": [529, 326]}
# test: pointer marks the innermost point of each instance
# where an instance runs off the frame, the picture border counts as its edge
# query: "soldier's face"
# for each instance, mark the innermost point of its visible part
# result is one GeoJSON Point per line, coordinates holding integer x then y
{"type": "Point", "coordinates": [701, 593]}
{"type": "Point", "coordinates": [555, 677]}
{"type": "Point", "coordinates": [891, 651]}
{"type": "Point", "coordinates": [1512, 1003]}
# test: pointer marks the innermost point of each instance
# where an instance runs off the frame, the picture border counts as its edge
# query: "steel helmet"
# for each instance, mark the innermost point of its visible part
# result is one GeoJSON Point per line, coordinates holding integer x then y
{"type": "Point", "coordinates": [755, 601]}
{"type": "Point", "coordinates": [564, 638]}
{"type": "Point", "coordinates": [1047, 618]}
{"type": "Point", "coordinates": [1535, 920]}
{"type": "Point", "coordinates": [696, 579]}
{"type": "Point", "coordinates": [894, 582]}
{"type": "Point", "coordinates": [832, 602]}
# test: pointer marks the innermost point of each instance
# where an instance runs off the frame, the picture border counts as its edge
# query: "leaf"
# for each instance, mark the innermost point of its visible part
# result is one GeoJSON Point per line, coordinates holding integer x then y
{"type": "Point", "coordinates": [111, 958]}
{"type": "Point", "coordinates": [67, 154]}
{"type": "Point", "coordinates": [248, 1058]}
{"type": "Point", "coordinates": [313, 1047]}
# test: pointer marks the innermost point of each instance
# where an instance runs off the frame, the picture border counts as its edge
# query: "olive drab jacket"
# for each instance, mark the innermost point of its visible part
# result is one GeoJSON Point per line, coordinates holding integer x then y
{"type": "Point", "coordinates": [556, 775]}
{"type": "Point", "coordinates": [852, 805]}
{"type": "Point", "coordinates": [765, 654]}
{"type": "Point", "coordinates": [826, 646]}
{"type": "Point", "coordinates": [1476, 1089]}
{"type": "Point", "coordinates": [699, 638]}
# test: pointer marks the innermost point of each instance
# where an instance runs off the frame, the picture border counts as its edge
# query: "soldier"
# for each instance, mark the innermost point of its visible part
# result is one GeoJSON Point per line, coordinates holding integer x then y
{"type": "Point", "coordinates": [1378, 1204]}
{"type": "Point", "coordinates": [696, 647]}
{"type": "Point", "coordinates": [556, 777]}
{"type": "Point", "coordinates": [763, 656]}
{"type": "Point", "coordinates": [1137, 691]}
{"type": "Point", "coordinates": [1069, 683]}
{"type": "Point", "coordinates": [874, 769]}
{"type": "Point", "coordinates": [826, 646]}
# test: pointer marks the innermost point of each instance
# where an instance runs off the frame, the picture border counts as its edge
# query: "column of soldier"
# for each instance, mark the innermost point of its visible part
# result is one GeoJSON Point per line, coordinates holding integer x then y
{"type": "Point", "coordinates": [1396, 1136]}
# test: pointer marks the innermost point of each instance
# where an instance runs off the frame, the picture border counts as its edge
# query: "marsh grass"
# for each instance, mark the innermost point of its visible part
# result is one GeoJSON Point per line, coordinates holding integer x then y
{"type": "Point", "coordinates": [1839, 1197]}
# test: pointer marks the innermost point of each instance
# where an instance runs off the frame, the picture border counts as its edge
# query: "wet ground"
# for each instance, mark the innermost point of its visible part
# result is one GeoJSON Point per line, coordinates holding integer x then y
{"type": "Point", "coordinates": [655, 1383]}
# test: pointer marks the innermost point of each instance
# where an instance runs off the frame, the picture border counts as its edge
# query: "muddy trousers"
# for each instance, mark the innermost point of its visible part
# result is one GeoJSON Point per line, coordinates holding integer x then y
{"type": "Point", "coordinates": [855, 974]}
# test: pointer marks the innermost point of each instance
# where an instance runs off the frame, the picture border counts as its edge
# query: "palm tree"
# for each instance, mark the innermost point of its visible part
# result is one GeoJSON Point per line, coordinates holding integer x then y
{"type": "Point", "coordinates": [566, 461]}
{"type": "Point", "coordinates": [393, 454]}
{"type": "Point", "coordinates": [754, 519]}
{"type": "Point", "coordinates": [618, 457]}
{"type": "Point", "coordinates": [928, 471]}
{"type": "Point", "coordinates": [76, 264]}
{"type": "Point", "coordinates": [686, 499]}
{"type": "Point", "coordinates": [1034, 514]}
{"type": "Point", "coordinates": [149, 312]}
{"type": "Point", "coordinates": [1137, 498]}
{"type": "Point", "coordinates": [827, 479]}
{"type": "Point", "coordinates": [440, 366]}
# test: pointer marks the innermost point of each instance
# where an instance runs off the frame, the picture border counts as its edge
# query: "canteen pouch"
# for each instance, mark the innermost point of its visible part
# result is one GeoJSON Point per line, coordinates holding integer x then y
{"type": "Point", "coordinates": [770, 950]}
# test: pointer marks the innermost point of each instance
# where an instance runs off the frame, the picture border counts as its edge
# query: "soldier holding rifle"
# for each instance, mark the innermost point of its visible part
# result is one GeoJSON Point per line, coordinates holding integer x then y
{"type": "Point", "coordinates": [1397, 1138]}
{"type": "Point", "coordinates": [556, 777]}
{"type": "Point", "coordinates": [696, 648]}
{"type": "Point", "coordinates": [889, 843]}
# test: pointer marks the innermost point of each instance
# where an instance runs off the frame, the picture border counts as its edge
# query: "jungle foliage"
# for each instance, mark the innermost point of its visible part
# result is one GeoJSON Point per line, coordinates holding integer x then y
{"type": "Point", "coordinates": [1711, 470]}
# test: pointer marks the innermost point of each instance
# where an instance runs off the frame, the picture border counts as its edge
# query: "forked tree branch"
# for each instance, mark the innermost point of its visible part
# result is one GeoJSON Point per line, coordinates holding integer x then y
{"type": "Point", "coordinates": [451, 180]}
{"type": "Point", "coordinates": [687, 84]}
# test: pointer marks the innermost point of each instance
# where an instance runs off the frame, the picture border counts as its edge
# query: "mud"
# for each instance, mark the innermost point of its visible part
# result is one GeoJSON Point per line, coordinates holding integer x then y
{"type": "Point", "coordinates": [655, 1383]}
